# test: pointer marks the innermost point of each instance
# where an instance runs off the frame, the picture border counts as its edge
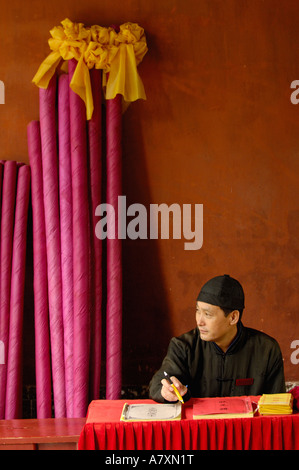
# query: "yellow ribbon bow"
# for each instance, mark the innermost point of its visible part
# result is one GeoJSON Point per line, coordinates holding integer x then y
{"type": "Point", "coordinates": [117, 53]}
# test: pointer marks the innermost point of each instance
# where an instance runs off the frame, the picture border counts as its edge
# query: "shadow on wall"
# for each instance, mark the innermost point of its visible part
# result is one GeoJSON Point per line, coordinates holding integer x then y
{"type": "Point", "coordinates": [146, 324]}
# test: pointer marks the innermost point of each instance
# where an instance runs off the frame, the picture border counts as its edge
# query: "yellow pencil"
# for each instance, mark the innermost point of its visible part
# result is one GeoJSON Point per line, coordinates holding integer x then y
{"type": "Point", "coordinates": [174, 388]}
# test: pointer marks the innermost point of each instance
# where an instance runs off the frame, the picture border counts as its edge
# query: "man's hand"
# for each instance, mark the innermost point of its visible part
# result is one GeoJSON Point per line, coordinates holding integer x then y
{"type": "Point", "coordinates": [167, 391]}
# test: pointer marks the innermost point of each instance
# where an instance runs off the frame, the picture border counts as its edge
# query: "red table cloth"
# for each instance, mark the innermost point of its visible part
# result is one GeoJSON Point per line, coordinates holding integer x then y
{"type": "Point", "coordinates": [103, 430]}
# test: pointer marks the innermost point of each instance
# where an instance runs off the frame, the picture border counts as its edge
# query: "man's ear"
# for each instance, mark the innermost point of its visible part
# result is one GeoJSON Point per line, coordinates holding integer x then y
{"type": "Point", "coordinates": [234, 317]}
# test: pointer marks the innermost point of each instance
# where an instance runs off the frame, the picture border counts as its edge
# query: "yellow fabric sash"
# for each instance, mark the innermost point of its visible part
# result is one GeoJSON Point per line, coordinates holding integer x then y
{"type": "Point", "coordinates": [117, 53]}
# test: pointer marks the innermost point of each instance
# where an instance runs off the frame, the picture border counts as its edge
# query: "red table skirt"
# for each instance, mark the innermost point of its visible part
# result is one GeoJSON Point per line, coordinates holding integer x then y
{"type": "Point", "coordinates": [258, 433]}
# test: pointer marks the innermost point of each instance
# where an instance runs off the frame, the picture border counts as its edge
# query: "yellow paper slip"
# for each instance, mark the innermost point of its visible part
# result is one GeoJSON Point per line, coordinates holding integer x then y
{"type": "Point", "coordinates": [276, 403]}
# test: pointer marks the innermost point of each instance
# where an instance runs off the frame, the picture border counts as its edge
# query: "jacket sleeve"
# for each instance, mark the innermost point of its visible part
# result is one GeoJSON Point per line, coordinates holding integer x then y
{"type": "Point", "coordinates": [275, 380]}
{"type": "Point", "coordinates": [175, 364]}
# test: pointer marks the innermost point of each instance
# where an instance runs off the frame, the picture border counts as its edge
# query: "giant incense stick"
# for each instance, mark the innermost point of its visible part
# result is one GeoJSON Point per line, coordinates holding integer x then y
{"type": "Point", "coordinates": [80, 249]}
{"type": "Point", "coordinates": [13, 405]}
{"type": "Point", "coordinates": [40, 281]}
{"type": "Point", "coordinates": [114, 269]}
{"type": "Point", "coordinates": [66, 233]}
{"type": "Point", "coordinates": [95, 170]}
{"type": "Point", "coordinates": [47, 101]}
{"type": "Point", "coordinates": [7, 224]}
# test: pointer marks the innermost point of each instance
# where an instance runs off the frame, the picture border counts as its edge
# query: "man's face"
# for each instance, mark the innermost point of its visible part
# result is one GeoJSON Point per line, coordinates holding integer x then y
{"type": "Point", "coordinates": [213, 325]}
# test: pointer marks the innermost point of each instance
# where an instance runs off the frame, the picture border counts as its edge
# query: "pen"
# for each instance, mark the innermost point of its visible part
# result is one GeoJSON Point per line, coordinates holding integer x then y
{"type": "Point", "coordinates": [174, 388]}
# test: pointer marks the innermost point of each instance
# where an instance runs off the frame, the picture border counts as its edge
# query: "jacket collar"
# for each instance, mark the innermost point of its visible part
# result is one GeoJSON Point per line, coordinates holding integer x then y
{"type": "Point", "coordinates": [235, 344]}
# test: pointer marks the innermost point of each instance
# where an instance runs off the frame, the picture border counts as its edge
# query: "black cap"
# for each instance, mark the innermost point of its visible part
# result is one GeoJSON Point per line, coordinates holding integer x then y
{"type": "Point", "coordinates": [223, 291]}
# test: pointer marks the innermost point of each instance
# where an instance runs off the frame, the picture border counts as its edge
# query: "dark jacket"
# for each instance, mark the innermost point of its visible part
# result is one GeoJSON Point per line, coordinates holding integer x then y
{"type": "Point", "coordinates": [252, 365]}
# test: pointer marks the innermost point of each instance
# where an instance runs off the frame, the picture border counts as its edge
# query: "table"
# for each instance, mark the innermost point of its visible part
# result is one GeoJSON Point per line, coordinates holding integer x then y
{"type": "Point", "coordinates": [40, 434]}
{"type": "Point", "coordinates": [104, 431]}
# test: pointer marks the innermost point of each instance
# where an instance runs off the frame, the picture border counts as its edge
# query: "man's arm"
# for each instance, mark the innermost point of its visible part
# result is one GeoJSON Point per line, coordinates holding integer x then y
{"type": "Point", "coordinates": [176, 365]}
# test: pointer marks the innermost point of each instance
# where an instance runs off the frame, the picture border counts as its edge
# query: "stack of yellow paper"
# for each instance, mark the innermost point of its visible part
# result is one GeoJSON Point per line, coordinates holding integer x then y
{"type": "Point", "coordinates": [276, 404]}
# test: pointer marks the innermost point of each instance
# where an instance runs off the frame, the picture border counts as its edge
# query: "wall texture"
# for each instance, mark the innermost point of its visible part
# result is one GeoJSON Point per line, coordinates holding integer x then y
{"type": "Point", "coordinates": [218, 128]}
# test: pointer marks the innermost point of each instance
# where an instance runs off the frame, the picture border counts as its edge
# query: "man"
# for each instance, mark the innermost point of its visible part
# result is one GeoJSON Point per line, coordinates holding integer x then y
{"type": "Point", "coordinates": [220, 357]}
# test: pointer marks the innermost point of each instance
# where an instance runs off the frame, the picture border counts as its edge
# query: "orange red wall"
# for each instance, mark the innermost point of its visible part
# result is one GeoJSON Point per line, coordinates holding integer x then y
{"type": "Point", "coordinates": [218, 128]}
